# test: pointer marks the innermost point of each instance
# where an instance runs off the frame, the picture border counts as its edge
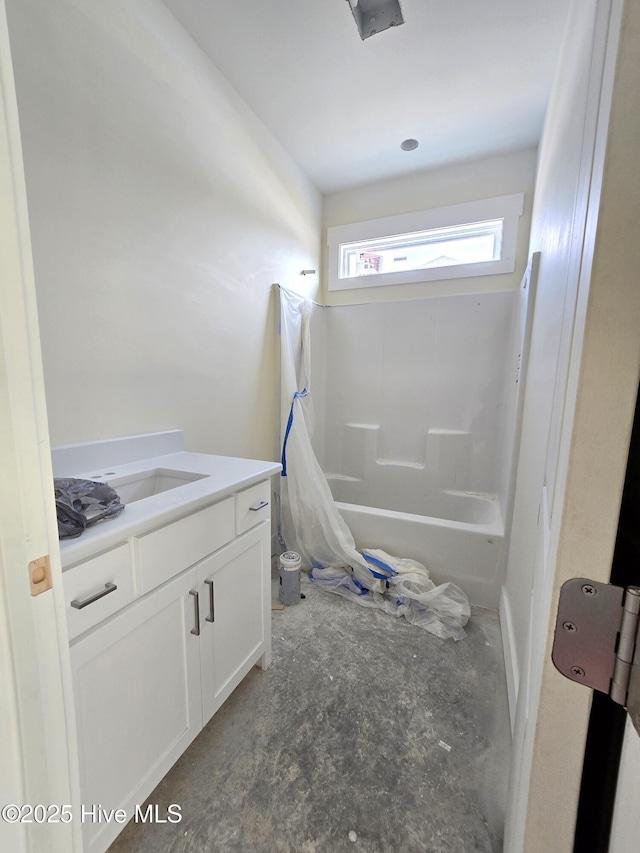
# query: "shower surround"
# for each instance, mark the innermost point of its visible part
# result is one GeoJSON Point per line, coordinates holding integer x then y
{"type": "Point", "coordinates": [414, 429]}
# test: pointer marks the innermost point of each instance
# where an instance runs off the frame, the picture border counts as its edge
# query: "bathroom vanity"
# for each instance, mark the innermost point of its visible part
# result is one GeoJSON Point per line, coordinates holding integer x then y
{"type": "Point", "coordinates": [168, 608]}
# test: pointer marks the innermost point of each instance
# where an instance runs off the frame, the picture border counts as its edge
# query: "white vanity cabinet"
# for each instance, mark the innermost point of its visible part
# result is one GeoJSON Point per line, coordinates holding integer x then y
{"type": "Point", "coordinates": [236, 583]}
{"type": "Point", "coordinates": [138, 700]}
{"type": "Point", "coordinates": [149, 676]}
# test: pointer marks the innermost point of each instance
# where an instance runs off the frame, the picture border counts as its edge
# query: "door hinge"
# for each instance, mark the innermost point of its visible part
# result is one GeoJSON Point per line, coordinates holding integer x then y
{"type": "Point", "coordinates": [40, 575]}
{"type": "Point", "coordinates": [596, 640]}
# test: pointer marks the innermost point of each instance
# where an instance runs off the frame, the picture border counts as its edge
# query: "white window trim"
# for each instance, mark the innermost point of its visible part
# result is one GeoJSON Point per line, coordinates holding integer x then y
{"type": "Point", "coordinates": [506, 207]}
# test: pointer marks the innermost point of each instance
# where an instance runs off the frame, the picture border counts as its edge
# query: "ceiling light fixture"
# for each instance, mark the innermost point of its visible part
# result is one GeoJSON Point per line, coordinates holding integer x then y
{"type": "Point", "coordinates": [409, 144]}
{"type": "Point", "coordinates": [374, 16]}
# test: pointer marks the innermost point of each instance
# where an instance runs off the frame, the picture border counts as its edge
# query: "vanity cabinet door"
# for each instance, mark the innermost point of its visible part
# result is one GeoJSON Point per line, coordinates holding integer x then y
{"type": "Point", "coordinates": [235, 610]}
{"type": "Point", "coordinates": [138, 701]}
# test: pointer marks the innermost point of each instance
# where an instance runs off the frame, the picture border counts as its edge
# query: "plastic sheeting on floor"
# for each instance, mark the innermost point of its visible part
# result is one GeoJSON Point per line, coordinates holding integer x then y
{"type": "Point", "coordinates": [311, 523]}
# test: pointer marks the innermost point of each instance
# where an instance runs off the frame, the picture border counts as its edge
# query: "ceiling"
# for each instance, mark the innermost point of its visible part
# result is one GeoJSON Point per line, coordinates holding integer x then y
{"type": "Point", "coordinates": [466, 78]}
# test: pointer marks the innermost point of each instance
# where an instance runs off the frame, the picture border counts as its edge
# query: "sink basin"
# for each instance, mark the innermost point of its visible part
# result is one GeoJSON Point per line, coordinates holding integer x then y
{"type": "Point", "coordinates": [145, 484]}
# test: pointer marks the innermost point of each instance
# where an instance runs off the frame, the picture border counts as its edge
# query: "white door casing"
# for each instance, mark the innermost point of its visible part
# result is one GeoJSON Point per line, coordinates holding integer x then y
{"type": "Point", "coordinates": [39, 761]}
{"type": "Point", "coordinates": [577, 538]}
{"type": "Point", "coordinates": [625, 830]}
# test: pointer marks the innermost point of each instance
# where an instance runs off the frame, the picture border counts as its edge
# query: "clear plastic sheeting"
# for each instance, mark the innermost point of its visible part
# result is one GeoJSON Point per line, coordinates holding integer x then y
{"type": "Point", "coordinates": [311, 523]}
{"type": "Point", "coordinates": [442, 610]}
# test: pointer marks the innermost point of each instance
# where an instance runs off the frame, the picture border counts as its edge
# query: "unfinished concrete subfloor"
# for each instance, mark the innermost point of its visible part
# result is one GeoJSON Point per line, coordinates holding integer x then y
{"type": "Point", "coordinates": [363, 724]}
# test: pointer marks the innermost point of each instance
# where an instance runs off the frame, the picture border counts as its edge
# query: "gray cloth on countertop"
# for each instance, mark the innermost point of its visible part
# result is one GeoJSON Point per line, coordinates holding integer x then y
{"type": "Point", "coordinates": [81, 503]}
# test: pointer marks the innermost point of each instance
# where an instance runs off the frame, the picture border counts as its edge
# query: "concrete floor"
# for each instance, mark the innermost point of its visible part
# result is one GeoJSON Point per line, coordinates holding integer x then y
{"type": "Point", "coordinates": [362, 724]}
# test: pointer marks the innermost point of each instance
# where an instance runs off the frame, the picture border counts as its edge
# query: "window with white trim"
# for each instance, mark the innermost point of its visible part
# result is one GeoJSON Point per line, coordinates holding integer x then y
{"type": "Point", "coordinates": [472, 239]}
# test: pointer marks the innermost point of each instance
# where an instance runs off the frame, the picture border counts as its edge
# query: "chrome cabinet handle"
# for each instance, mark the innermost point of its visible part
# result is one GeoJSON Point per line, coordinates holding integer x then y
{"type": "Point", "coordinates": [212, 604]}
{"type": "Point", "coordinates": [108, 587]}
{"type": "Point", "coordinates": [196, 612]}
{"type": "Point", "coordinates": [259, 506]}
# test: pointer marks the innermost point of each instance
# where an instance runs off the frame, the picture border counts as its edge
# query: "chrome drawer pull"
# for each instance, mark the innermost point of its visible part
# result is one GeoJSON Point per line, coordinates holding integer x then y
{"type": "Point", "coordinates": [212, 604]}
{"type": "Point", "coordinates": [259, 506]}
{"type": "Point", "coordinates": [196, 612]}
{"type": "Point", "coordinates": [108, 587]}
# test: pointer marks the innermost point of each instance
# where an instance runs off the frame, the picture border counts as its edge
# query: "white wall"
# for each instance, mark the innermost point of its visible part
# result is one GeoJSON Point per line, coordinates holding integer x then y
{"type": "Point", "coordinates": [468, 181]}
{"type": "Point", "coordinates": [161, 212]}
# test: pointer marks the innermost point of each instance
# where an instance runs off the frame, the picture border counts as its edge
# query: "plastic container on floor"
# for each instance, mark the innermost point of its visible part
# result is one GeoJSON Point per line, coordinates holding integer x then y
{"type": "Point", "coordinates": [290, 563]}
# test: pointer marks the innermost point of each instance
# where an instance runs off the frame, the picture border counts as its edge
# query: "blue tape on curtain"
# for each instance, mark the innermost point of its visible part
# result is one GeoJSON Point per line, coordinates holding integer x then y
{"type": "Point", "coordinates": [376, 561]}
{"type": "Point", "coordinates": [296, 396]}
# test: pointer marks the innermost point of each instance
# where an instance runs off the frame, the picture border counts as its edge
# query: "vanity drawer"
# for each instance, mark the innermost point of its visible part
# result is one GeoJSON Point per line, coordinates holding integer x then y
{"type": "Point", "coordinates": [252, 506]}
{"type": "Point", "coordinates": [97, 588]}
{"type": "Point", "coordinates": [166, 552]}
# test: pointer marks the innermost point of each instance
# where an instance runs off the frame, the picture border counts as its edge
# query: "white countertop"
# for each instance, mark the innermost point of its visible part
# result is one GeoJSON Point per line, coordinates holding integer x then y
{"type": "Point", "coordinates": [224, 475]}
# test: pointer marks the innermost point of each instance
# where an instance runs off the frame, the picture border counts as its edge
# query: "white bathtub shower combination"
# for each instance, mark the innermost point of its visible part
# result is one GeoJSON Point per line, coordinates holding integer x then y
{"type": "Point", "coordinates": [413, 404]}
{"type": "Point", "coordinates": [461, 540]}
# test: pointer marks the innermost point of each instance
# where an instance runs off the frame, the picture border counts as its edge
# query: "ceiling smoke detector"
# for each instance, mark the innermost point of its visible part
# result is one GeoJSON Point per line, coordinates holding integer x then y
{"type": "Point", "coordinates": [374, 16]}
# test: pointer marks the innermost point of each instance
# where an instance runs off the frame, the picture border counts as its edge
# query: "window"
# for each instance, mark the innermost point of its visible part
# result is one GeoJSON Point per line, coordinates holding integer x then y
{"type": "Point", "coordinates": [473, 239]}
{"type": "Point", "coordinates": [473, 242]}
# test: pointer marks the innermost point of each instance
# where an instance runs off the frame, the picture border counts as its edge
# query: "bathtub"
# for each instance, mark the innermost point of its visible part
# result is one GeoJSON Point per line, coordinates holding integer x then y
{"type": "Point", "coordinates": [459, 537]}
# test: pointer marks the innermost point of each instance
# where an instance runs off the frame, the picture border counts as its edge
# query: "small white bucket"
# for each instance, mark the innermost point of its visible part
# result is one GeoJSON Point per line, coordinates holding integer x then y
{"type": "Point", "coordinates": [290, 563]}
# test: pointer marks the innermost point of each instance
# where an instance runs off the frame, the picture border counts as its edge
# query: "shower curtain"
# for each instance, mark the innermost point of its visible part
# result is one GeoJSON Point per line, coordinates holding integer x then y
{"type": "Point", "coordinates": [310, 521]}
